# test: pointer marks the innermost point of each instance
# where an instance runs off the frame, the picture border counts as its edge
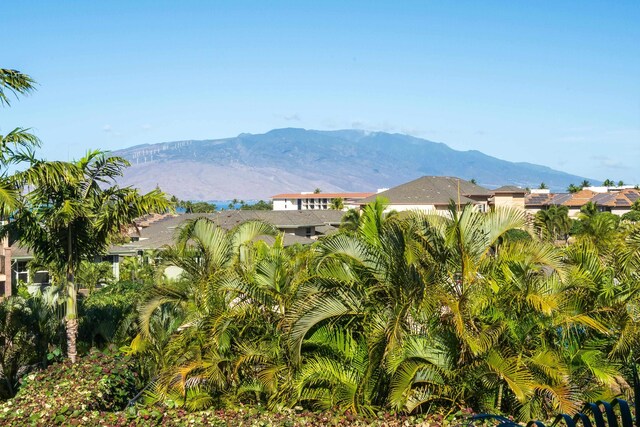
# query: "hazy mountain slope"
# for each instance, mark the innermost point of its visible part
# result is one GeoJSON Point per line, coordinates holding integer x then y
{"type": "Point", "coordinates": [258, 166]}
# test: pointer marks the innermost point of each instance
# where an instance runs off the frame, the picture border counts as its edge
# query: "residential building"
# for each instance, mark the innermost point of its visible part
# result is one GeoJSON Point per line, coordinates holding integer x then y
{"type": "Point", "coordinates": [433, 193]}
{"type": "Point", "coordinates": [614, 200]}
{"type": "Point", "coordinates": [157, 231]}
{"type": "Point", "coordinates": [315, 201]}
{"type": "Point", "coordinates": [508, 196]}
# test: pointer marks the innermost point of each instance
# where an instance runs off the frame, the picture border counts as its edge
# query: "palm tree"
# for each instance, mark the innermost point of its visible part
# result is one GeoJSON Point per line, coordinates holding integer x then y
{"type": "Point", "coordinates": [208, 300]}
{"type": "Point", "coordinates": [608, 183]}
{"type": "Point", "coordinates": [16, 83]}
{"type": "Point", "coordinates": [543, 186]}
{"type": "Point", "coordinates": [71, 213]}
{"type": "Point", "coordinates": [16, 145]}
{"type": "Point", "coordinates": [588, 210]}
{"type": "Point", "coordinates": [573, 188]}
{"type": "Point", "coordinates": [350, 221]}
{"type": "Point", "coordinates": [337, 204]}
{"type": "Point", "coordinates": [92, 274]}
{"type": "Point", "coordinates": [585, 183]}
{"type": "Point", "coordinates": [553, 223]}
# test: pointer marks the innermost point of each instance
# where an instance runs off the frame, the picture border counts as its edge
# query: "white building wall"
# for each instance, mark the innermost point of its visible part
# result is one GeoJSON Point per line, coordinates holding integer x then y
{"type": "Point", "coordinates": [285, 204]}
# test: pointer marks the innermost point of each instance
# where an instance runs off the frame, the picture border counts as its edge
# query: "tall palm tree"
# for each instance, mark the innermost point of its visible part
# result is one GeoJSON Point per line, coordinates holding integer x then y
{"type": "Point", "coordinates": [70, 213]}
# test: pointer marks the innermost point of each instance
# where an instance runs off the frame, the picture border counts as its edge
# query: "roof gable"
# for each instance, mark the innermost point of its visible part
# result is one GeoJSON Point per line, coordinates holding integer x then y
{"type": "Point", "coordinates": [433, 190]}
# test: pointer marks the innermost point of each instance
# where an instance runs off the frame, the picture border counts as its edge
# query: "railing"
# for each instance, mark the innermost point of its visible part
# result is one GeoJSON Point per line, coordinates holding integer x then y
{"type": "Point", "coordinates": [597, 411]}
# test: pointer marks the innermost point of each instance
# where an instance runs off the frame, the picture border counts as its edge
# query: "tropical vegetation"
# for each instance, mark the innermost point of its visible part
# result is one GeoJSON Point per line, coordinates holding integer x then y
{"type": "Point", "coordinates": [395, 316]}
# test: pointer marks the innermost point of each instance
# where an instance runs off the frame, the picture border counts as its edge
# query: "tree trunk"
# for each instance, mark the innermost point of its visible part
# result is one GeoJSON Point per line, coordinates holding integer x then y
{"type": "Point", "coordinates": [71, 319]}
{"type": "Point", "coordinates": [72, 309]}
{"type": "Point", "coordinates": [72, 334]}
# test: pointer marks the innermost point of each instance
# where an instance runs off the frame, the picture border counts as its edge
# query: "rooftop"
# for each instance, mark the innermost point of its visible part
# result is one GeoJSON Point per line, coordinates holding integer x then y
{"type": "Point", "coordinates": [432, 190]}
{"type": "Point", "coordinates": [162, 231]}
{"type": "Point", "coordinates": [509, 189]}
{"type": "Point", "coordinates": [321, 195]}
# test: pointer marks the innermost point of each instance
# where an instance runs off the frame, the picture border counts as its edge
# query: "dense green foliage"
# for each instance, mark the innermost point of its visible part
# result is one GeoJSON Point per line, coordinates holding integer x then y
{"type": "Point", "coordinates": [401, 313]}
{"type": "Point", "coordinates": [260, 205]}
{"type": "Point", "coordinates": [106, 315]}
{"type": "Point", "coordinates": [195, 207]}
{"type": "Point", "coordinates": [397, 312]}
{"type": "Point", "coordinates": [31, 336]}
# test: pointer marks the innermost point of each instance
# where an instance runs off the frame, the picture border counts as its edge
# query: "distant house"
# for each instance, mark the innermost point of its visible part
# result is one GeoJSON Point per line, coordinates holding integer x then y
{"type": "Point", "coordinates": [577, 201]}
{"type": "Point", "coordinates": [612, 199]}
{"type": "Point", "coordinates": [158, 231]}
{"type": "Point", "coordinates": [508, 196]}
{"type": "Point", "coordinates": [315, 201]}
{"type": "Point", "coordinates": [434, 193]}
{"type": "Point", "coordinates": [617, 202]}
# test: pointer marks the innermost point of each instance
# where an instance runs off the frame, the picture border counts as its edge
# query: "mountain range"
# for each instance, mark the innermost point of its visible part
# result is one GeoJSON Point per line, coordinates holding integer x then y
{"type": "Point", "coordinates": [257, 166]}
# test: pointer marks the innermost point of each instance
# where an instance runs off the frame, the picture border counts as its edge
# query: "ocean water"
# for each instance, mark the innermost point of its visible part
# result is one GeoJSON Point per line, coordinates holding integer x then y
{"type": "Point", "coordinates": [223, 204]}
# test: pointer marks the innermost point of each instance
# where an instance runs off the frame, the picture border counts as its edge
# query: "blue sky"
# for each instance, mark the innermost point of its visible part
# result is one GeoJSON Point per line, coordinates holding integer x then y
{"type": "Point", "coordinates": [549, 82]}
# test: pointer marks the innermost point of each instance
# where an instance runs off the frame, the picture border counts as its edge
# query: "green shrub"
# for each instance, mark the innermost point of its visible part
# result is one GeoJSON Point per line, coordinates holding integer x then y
{"type": "Point", "coordinates": [103, 312]}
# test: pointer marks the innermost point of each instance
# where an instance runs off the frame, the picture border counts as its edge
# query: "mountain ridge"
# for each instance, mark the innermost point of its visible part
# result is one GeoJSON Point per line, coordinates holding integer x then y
{"type": "Point", "coordinates": [254, 166]}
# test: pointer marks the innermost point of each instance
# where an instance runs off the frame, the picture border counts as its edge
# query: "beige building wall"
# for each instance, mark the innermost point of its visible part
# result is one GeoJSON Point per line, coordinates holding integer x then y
{"type": "Point", "coordinates": [508, 201]}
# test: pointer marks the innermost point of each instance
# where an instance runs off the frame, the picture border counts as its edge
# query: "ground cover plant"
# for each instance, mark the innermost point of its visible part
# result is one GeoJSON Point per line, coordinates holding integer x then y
{"type": "Point", "coordinates": [99, 382]}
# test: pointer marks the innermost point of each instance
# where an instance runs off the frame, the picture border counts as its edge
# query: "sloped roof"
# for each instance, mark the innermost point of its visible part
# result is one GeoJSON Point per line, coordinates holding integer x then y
{"type": "Point", "coordinates": [620, 199]}
{"type": "Point", "coordinates": [432, 190]}
{"type": "Point", "coordinates": [162, 231]}
{"type": "Point", "coordinates": [281, 219]}
{"type": "Point", "coordinates": [580, 198]}
{"type": "Point", "coordinates": [509, 189]}
{"type": "Point", "coordinates": [538, 199]}
{"type": "Point", "coordinates": [560, 198]}
{"type": "Point", "coordinates": [615, 199]}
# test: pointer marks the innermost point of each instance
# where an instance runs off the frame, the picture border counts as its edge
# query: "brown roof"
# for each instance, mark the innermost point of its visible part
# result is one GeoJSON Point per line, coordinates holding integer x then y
{"type": "Point", "coordinates": [509, 189]}
{"type": "Point", "coordinates": [624, 198]}
{"type": "Point", "coordinates": [616, 199]}
{"type": "Point", "coordinates": [580, 198]}
{"type": "Point", "coordinates": [321, 195]}
{"type": "Point", "coordinates": [432, 190]}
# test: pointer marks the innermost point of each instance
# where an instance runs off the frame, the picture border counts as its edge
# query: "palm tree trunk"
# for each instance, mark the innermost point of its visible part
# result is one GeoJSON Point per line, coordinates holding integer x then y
{"type": "Point", "coordinates": [72, 309]}
{"type": "Point", "coordinates": [71, 321]}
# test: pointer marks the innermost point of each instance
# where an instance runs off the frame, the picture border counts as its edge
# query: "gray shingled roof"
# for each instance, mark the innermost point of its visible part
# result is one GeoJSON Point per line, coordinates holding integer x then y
{"type": "Point", "coordinates": [432, 190]}
{"type": "Point", "coordinates": [162, 232]}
